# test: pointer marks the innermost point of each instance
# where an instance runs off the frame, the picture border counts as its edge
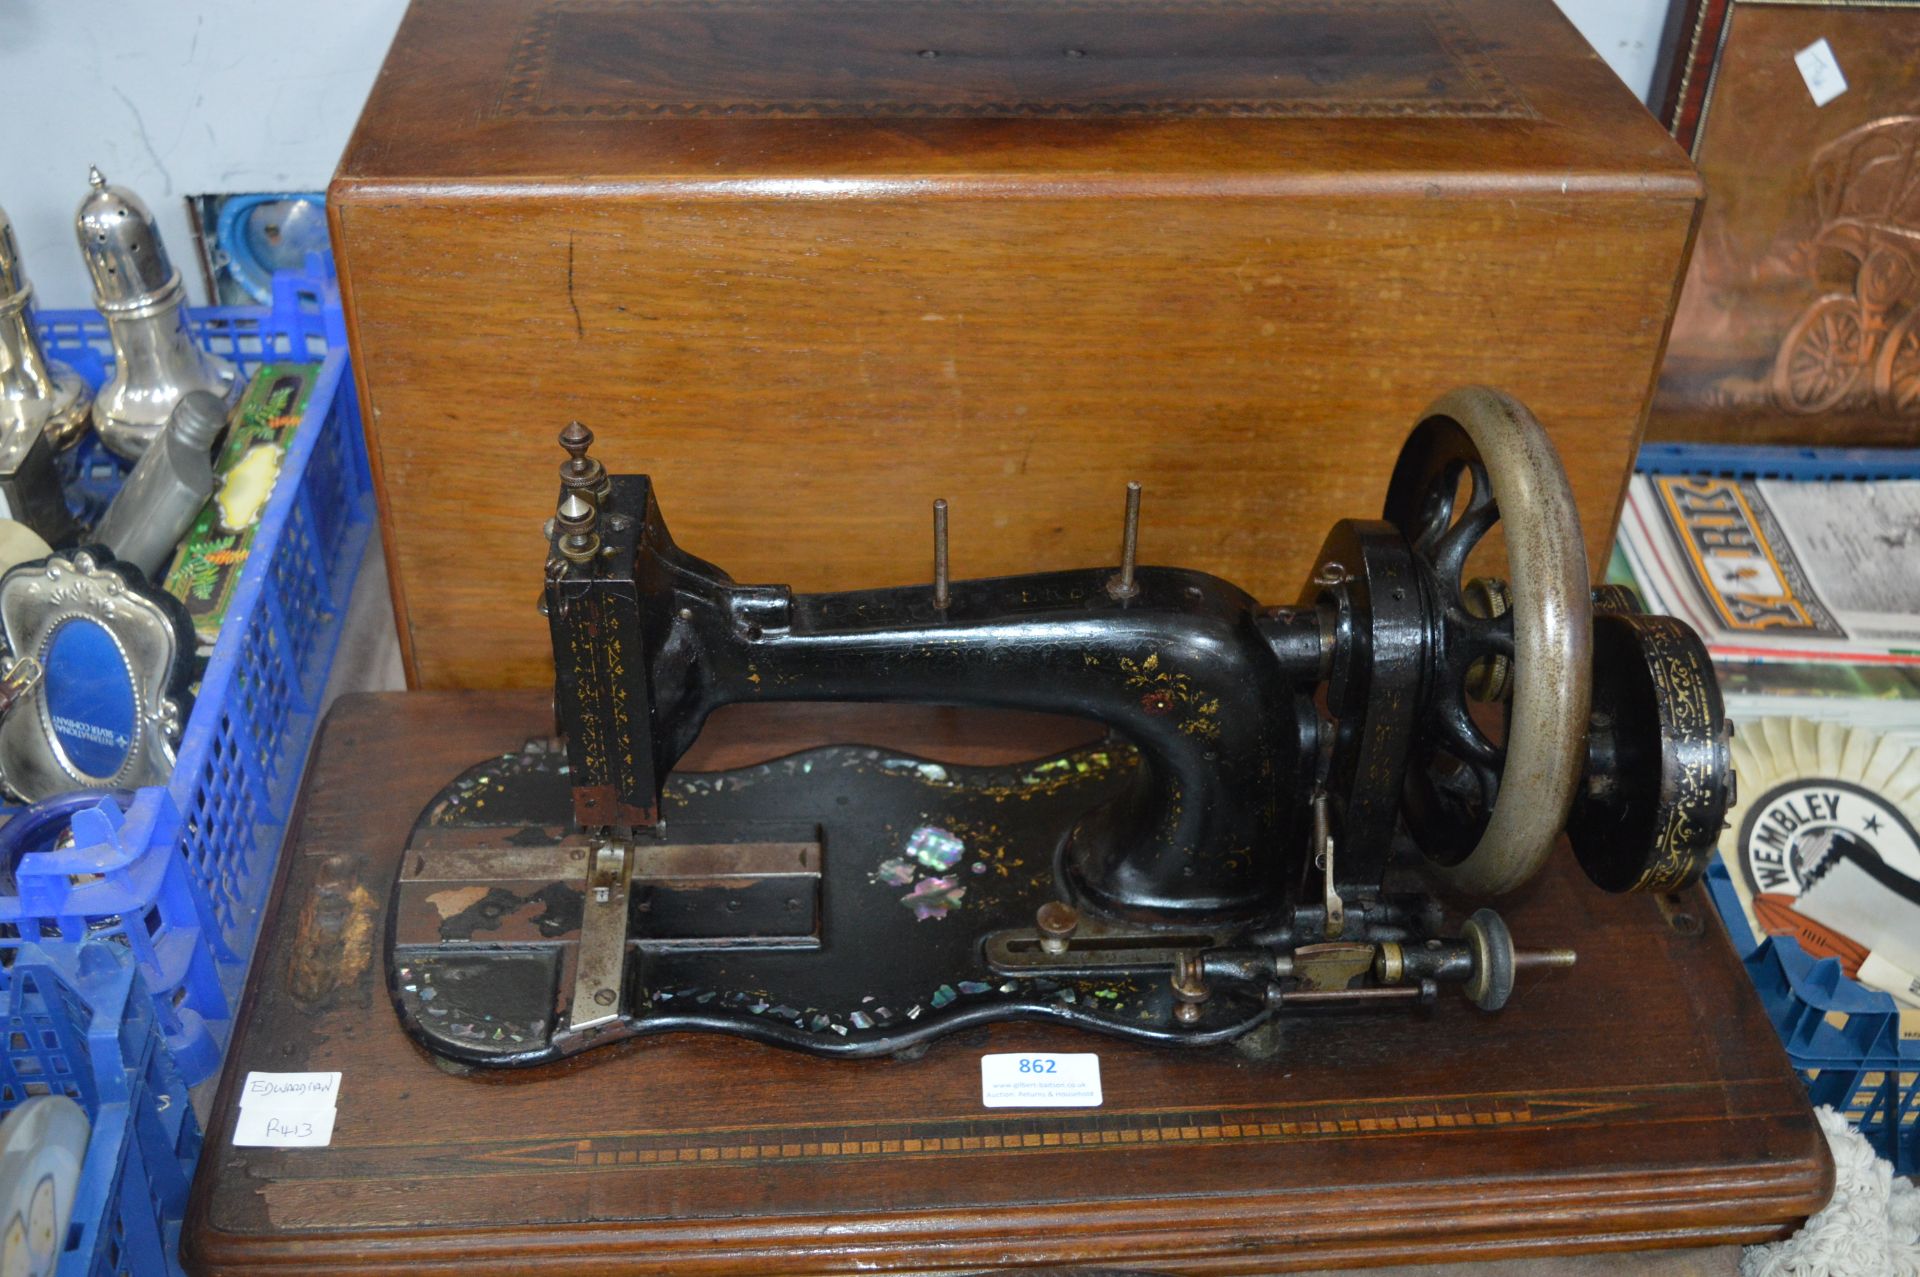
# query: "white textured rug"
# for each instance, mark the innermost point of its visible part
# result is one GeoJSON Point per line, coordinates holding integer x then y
{"type": "Point", "coordinates": [1871, 1228]}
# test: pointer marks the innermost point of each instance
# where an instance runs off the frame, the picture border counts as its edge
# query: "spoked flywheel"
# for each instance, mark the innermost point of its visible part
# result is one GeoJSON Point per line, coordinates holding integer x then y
{"type": "Point", "coordinates": [1487, 812]}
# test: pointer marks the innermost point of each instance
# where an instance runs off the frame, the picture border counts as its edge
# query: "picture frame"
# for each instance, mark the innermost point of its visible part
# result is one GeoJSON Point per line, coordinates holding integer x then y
{"type": "Point", "coordinates": [1799, 318]}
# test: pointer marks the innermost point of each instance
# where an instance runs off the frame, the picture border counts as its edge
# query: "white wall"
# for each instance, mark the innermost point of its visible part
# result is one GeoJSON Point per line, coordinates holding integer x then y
{"type": "Point", "coordinates": [172, 98]}
{"type": "Point", "coordinates": [1624, 32]}
{"type": "Point", "coordinates": [180, 97]}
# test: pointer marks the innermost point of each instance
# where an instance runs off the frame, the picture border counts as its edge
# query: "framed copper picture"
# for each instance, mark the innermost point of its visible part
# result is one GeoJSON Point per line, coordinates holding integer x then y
{"type": "Point", "coordinates": [1799, 318]}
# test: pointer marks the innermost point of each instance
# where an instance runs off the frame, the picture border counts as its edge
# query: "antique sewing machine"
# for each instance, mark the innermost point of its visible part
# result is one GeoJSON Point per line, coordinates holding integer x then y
{"type": "Point", "coordinates": [1289, 804]}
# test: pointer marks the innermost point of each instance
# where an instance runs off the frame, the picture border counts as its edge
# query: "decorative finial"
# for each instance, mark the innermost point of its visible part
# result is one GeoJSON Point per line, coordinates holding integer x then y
{"type": "Point", "coordinates": [95, 178]}
{"type": "Point", "coordinates": [580, 473]}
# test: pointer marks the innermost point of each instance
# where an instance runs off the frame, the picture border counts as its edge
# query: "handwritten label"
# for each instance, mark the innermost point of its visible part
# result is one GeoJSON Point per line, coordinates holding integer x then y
{"type": "Point", "coordinates": [1037, 1081]}
{"type": "Point", "coordinates": [1821, 70]}
{"type": "Point", "coordinates": [290, 1090]}
{"type": "Point", "coordinates": [287, 1110]}
{"type": "Point", "coordinates": [263, 1127]}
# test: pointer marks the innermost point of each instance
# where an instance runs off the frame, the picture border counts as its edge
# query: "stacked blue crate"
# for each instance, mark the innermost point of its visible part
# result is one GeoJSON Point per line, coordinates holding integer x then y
{"type": "Point", "coordinates": [1841, 1037]}
{"type": "Point", "coordinates": [210, 837]}
{"type": "Point", "coordinates": [111, 884]}
{"type": "Point", "coordinates": [1740, 461]}
{"type": "Point", "coordinates": [80, 1023]}
{"type": "Point", "coordinates": [138, 934]}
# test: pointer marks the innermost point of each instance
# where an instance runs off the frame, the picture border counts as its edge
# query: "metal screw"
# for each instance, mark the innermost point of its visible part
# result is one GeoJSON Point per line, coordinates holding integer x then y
{"type": "Point", "coordinates": [604, 997]}
{"type": "Point", "coordinates": [1121, 584]}
{"type": "Point", "coordinates": [1330, 574]}
{"type": "Point", "coordinates": [941, 595]}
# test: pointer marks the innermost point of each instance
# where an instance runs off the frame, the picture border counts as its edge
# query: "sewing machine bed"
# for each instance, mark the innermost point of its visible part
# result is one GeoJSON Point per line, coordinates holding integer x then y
{"type": "Point", "coordinates": [1638, 1100]}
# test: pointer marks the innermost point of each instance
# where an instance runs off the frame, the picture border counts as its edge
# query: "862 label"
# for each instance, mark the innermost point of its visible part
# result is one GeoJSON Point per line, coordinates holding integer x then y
{"type": "Point", "coordinates": [1040, 1080]}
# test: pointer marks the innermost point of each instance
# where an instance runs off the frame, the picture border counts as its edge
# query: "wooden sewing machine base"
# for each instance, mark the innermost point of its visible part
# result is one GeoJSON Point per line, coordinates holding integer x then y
{"type": "Point", "coordinates": [1639, 1100]}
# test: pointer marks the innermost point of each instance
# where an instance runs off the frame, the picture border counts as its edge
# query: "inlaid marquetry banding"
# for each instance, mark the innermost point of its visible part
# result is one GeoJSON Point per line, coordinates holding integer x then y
{"type": "Point", "coordinates": [1084, 1132]}
{"type": "Point", "coordinates": [960, 59]}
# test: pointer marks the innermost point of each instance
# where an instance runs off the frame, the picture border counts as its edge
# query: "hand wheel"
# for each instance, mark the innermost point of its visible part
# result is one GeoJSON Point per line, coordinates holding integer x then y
{"type": "Point", "coordinates": [1659, 773]}
{"type": "Point", "coordinates": [1488, 814]}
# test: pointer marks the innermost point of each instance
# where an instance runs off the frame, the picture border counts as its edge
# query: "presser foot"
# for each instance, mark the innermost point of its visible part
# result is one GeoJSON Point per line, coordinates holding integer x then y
{"type": "Point", "coordinates": [845, 901]}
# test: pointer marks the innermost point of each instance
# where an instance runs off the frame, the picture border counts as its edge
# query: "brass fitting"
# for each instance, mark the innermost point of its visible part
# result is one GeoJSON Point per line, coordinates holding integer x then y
{"type": "Point", "coordinates": [1056, 922]}
{"type": "Point", "coordinates": [1189, 990]}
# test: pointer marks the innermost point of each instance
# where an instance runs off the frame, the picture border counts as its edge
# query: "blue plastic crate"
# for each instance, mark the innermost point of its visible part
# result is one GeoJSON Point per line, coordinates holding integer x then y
{"type": "Point", "coordinates": [184, 869]}
{"type": "Point", "coordinates": [1732, 461]}
{"type": "Point", "coordinates": [80, 1023]}
{"type": "Point", "coordinates": [110, 884]}
{"type": "Point", "coordinates": [1843, 1038]}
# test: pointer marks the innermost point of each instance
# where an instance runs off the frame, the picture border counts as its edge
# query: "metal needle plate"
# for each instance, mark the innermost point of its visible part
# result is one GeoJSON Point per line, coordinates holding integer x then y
{"type": "Point", "coordinates": [600, 962]}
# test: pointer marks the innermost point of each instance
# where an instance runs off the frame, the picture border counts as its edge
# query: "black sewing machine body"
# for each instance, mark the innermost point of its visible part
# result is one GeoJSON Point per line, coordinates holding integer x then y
{"type": "Point", "coordinates": [1257, 834]}
{"type": "Point", "coordinates": [1162, 667]}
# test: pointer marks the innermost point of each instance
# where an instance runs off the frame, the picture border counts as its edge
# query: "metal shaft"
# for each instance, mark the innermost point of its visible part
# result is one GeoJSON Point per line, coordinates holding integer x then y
{"type": "Point", "coordinates": [941, 597]}
{"type": "Point", "coordinates": [1121, 585]}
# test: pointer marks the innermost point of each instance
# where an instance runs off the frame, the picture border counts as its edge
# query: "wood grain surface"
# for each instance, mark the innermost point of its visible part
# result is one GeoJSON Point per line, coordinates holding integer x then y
{"type": "Point", "coordinates": [1639, 1100]}
{"type": "Point", "coordinates": [807, 311]}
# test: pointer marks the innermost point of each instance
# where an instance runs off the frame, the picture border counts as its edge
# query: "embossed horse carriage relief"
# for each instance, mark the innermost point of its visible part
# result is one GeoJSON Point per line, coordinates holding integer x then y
{"type": "Point", "coordinates": [1862, 344]}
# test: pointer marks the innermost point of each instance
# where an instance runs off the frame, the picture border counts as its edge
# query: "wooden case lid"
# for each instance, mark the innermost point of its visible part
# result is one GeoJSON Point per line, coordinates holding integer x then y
{"type": "Point", "coordinates": [1257, 96]}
